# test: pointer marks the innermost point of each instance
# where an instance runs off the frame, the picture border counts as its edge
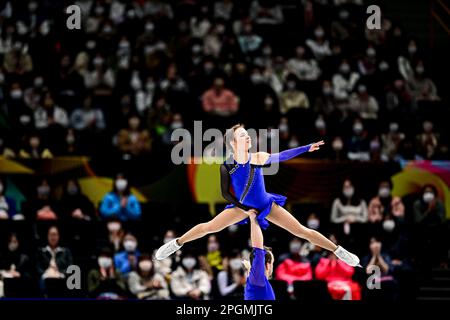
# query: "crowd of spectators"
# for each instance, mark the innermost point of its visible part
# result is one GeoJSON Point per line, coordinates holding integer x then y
{"type": "Point", "coordinates": [137, 70]}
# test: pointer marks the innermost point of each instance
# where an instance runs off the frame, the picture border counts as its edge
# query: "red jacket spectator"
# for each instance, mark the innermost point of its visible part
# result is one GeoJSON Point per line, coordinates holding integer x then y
{"type": "Point", "coordinates": [290, 271]}
{"type": "Point", "coordinates": [339, 278]}
{"type": "Point", "coordinates": [219, 100]}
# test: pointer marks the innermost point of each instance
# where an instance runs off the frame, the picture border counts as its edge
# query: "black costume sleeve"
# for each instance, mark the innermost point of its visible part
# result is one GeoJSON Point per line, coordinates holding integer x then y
{"type": "Point", "coordinates": [225, 187]}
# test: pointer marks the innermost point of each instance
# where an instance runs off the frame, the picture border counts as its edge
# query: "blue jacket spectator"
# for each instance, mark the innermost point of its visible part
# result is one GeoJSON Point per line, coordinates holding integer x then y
{"type": "Point", "coordinates": [120, 203]}
{"type": "Point", "coordinates": [127, 260]}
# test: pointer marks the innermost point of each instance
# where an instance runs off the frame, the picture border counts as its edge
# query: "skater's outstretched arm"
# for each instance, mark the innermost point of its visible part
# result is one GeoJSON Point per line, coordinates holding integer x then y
{"type": "Point", "coordinates": [264, 158]}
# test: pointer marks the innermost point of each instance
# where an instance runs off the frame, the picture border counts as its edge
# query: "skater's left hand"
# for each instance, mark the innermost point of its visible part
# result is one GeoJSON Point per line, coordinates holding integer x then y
{"type": "Point", "coordinates": [316, 146]}
{"type": "Point", "coordinates": [252, 213]}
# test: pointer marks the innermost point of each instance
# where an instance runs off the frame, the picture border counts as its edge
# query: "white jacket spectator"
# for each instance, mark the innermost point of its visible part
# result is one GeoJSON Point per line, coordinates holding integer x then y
{"type": "Point", "coordinates": [344, 82]}
{"type": "Point", "coordinates": [266, 15]}
{"type": "Point", "coordinates": [84, 118]}
{"type": "Point", "coordinates": [364, 104]}
{"type": "Point", "coordinates": [223, 9]}
{"type": "Point", "coordinates": [303, 68]}
{"type": "Point", "coordinates": [193, 283]}
{"type": "Point", "coordinates": [347, 208]}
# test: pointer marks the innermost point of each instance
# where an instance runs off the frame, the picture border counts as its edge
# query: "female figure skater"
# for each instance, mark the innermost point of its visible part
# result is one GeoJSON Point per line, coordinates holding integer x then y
{"type": "Point", "coordinates": [247, 181]}
{"type": "Point", "coordinates": [260, 267]}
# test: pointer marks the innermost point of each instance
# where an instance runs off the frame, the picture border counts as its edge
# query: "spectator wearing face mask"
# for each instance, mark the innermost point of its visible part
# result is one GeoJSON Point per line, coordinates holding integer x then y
{"type": "Point", "coordinates": [398, 99]}
{"type": "Point", "coordinates": [292, 98]}
{"type": "Point", "coordinates": [358, 144]}
{"type": "Point", "coordinates": [379, 260]}
{"type": "Point", "coordinates": [188, 282]}
{"type": "Point", "coordinates": [48, 114]}
{"type": "Point", "coordinates": [385, 197]}
{"type": "Point", "coordinates": [391, 141]}
{"type": "Point", "coordinates": [74, 204]}
{"type": "Point", "coordinates": [115, 234]}
{"type": "Point", "coordinates": [430, 230]}
{"type": "Point", "coordinates": [338, 153]}
{"type": "Point", "coordinates": [127, 260]}
{"type": "Point", "coordinates": [134, 140]}
{"type": "Point", "coordinates": [223, 9]}
{"type": "Point", "coordinates": [219, 101]}
{"type": "Point", "coordinates": [348, 208]}
{"type": "Point", "coordinates": [248, 40]}
{"type": "Point", "coordinates": [319, 46]}
{"type": "Point", "coordinates": [368, 64]}
{"type": "Point", "coordinates": [338, 276]}
{"type": "Point", "coordinates": [325, 102]}
{"type": "Point", "coordinates": [146, 283]}
{"type": "Point", "coordinates": [43, 206]}
{"type": "Point", "coordinates": [214, 254]}
{"type": "Point", "coordinates": [87, 118]}
{"type": "Point", "coordinates": [231, 279]}
{"type": "Point", "coordinates": [428, 140]}
{"type": "Point", "coordinates": [294, 265]}
{"type": "Point", "coordinates": [304, 68]}
{"type": "Point", "coordinates": [53, 260]}
{"type": "Point", "coordinates": [34, 149]}
{"type": "Point", "coordinates": [423, 88]}
{"type": "Point", "coordinates": [20, 114]}
{"type": "Point", "coordinates": [120, 203]}
{"type": "Point", "coordinates": [344, 81]}
{"type": "Point", "coordinates": [104, 281]}
{"type": "Point", "coordinates": [429, 209]}
{"type": "Point", "coordinates": [14, 263]}
{"type": "Point", "coordinates": [17, 60]}
{"type": "Point", "coordinates": [364, 104]}
{"type": "Point", "coordinates": [7, 204]}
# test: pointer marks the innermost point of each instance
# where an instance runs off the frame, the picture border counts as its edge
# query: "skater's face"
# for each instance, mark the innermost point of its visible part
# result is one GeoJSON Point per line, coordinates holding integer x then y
{"type": "Point", "coordinates": [242, 140]}
{"type": "Point", "coordinates": [269, 267]}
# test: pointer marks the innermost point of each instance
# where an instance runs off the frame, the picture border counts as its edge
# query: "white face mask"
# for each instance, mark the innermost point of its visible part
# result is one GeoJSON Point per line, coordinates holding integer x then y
{"type": "Point", "coordinates": [145, 265]}
{"type": "Point", "coordinates": [176, 125]}
{"type": "Point", "coordinates": [313, 224]}
{"type": "Point", "coordinates": [348, 192]}
{"type": "Point", "coordinates": [129, 245]}
{"type": "Point", "coordinates": [283, 127]}
{"type": "Point", "coordinates": [384, 192]}
{"type": "Point", "coordinates": [357, 128]}
{"type": "Point", "coordinates": [320, 124]}
{"type": "Point", "coordinates": [105, 262]}
{"type": "Point", "coordinates": [12, 246]}
{"type": "Point", "coordinates": [319, 33]}
{"type": "Point", "coordinates": [113, 226]}
{"type": "Point", "coordinates": [16, 94]}
{"type": "Point", "coordinates": [293, 144]}
{"type": "Point", "coordinates": [371, 52]}
{"type": "Point", "coordinates": [189, 263]}
{"type": "Point", "coordinates": [428, 197]}
{"type": "Point", "coordinates": [1, 188]}
{"type": "Point", "coordinates": [213, 246]}
{"type": "Point", "coordinates": [374, 145]}
{"type": "Point", "coordinates": [327, 90]}
{"type": "Point", "coordinates": [344, 68]}
{"type": "Point", "coordinates": [393, 127]}
{"type": "Point", "coordinates": [121, 184]}
{"type": "Point", "coordinates": [235, 264]}
{"type": "Point", "coordinates": [388, 225]}
{"type": "Point", "coordinates": [337, 144]}
{"type": "Point", "coordinates": [295, 247]}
